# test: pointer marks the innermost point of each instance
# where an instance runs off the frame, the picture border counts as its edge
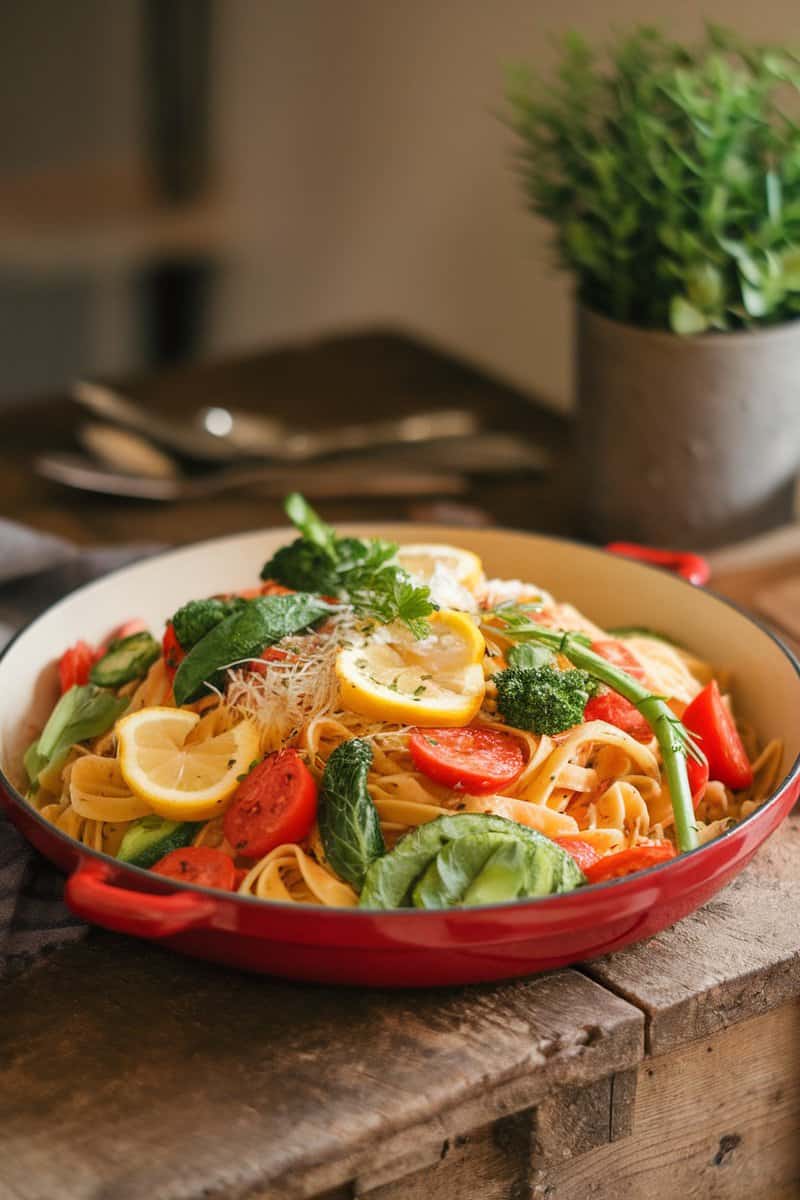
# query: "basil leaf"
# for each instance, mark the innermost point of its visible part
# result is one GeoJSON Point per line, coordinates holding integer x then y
{"type": "Point", "coordinates": [348, 820]}
{"type": "Point", "coordinates": [242, 636]}
{"type": "Point", "coordinates": [81, 713]}
{"type": "Point", "coordinates": [34, 764]}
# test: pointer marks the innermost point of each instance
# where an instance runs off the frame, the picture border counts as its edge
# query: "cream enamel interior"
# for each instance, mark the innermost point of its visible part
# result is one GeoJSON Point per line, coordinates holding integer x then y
{"type": "Point", "coordinates": [610, 590]}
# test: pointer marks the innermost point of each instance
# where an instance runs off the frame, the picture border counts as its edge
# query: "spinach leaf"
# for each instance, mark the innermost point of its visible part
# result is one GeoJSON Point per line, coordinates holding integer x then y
{"type": "Point", "coordinates": [348, 820]}
{"type": "Point", "coordinates": [243, 635]}
{"type": "Point", "coordinates": [82, 712]}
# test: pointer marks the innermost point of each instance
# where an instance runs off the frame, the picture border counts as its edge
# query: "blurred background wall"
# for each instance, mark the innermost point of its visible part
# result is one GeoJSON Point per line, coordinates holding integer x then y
{"type": "Point", "coordinates": [181, 178]}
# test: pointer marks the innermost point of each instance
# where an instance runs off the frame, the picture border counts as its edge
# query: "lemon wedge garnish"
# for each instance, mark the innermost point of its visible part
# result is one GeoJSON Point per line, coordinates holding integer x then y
{"type": "Point", "coordinates": [436, 680]}
{"type": "Point", "coordinates": [424, 560]}
{"type": "Point", "coordinates": [181, 778]}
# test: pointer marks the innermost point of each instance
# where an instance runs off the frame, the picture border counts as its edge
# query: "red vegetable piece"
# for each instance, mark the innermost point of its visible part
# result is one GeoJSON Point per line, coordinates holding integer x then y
{"type": "Point", "coordinates": [202, 865]}
{"type": "Point", "coordinates": [259, 665]}
{"type": "Point", "coordinates": [172, 650]}
{"type": "Point", "coordinates": [698, 779]}
{"type": "Point", "coordinates": [584, 854]}
{"type": "Point", "coordinates": [708, 718]}
{"type": "Point", "coordinates": [75, 664]}
{"type": "Point", "coordinates": [276, 803]}
{"type": "Point", "coordinates": [627, 862]}
{"type": "Point", "coordinates": [616, 710]}
{"type": "Point", "coordinates": [618, 654]}
{"type": "Point", "coordinates": [478, 761]}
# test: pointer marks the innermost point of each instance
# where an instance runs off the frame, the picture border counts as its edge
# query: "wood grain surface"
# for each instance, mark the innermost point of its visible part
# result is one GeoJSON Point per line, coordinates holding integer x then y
{"type": "Point", "coordinates": [735, 958]}
{"type": "Point", "coordinates": [132, 1073]}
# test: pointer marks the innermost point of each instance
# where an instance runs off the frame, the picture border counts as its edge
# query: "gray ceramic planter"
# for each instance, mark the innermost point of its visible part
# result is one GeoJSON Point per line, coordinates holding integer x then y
{"type": "Point", "coordinates": [686, 441]}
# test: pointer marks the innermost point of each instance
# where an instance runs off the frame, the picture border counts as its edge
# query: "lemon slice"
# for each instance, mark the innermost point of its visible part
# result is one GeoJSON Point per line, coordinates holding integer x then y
{"type": "Point", "coordinates": [426, 560]}
{"type": "Point", "coordinates": [436, 680]}
{"type": "Point", "coordinates": [181, 778]}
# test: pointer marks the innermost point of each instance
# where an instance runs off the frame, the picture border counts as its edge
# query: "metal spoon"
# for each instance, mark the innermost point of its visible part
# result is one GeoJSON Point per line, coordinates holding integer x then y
{"type": "Point", "coordinates": [232, 435]}
{"type": "Point", "coordinates": [324, 481]}
{"type": "Point", "coordinates": [121, 450]}
{"type": "Point", "coordinates": [248, 433]}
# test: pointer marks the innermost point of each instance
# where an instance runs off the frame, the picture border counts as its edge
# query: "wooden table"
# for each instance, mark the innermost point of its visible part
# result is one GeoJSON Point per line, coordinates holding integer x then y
{"type": "Point", "coordinates": [671, 1069]}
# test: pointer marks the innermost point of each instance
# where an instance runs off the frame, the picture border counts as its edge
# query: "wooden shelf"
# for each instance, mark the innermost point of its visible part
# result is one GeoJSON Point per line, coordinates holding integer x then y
{"type": "Point", "coordinates": [101, 217]}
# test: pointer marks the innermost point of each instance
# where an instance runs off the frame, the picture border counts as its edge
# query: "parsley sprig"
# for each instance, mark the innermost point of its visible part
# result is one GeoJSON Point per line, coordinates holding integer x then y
{"type": "Point", "coordinates": [360, 571]}
{"type": "Point", "coordinates": [674, 739]}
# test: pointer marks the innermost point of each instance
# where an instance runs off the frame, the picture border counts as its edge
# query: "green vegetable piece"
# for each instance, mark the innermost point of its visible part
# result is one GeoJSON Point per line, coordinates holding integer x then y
{"type": "Point", "coordinates": [510, 873]}
{"type": "Point", "coordinates": [348, 820]}
{"type": "Point", "coordinates": [151, 837]}
{"type": "Point", "coordinates": [528, 655]}
{"type": "Point", "coordinates": [358, 570]}
{"type": "Point", "coordinates": [625, 631]}
{"type": "Point", "coordinates": [674, 740]}
{"type": "Point", "coordinates": [391, 881]}
{"type": "Point", "coordinates": [447, 879]}
{"type": "Point", "coordinates": [542, 699]}
{"type": "Point", "coordinates": [242, 636]}
{"type": "Point", "coordinates": [82, 712]}
{"type": "Point", "coordinates": [125, 659]}
{"type": "Point", "coordinates": [197, 618]}
{"type": "Point", "coordinates": [34, 764]}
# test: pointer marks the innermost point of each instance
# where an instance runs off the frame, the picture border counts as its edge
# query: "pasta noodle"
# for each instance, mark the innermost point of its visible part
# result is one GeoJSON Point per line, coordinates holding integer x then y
{"type": "Point", "coordinates": [592, 782]}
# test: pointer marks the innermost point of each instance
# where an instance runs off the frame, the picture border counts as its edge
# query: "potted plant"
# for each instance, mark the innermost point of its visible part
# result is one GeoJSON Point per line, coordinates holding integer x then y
{"type": "Point", "coordinates": [671, 176]}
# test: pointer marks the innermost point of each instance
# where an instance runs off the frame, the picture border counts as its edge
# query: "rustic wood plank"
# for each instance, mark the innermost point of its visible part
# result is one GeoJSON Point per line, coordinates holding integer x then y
{"type": "Point", "coordinates": [492, 1163]}
{"type": "Point", "coordinates": [735, 958]}
{"type": "Point", "coordinates": [715, 1120]}
{"type": "Point", "coordinates": [130, 1072]}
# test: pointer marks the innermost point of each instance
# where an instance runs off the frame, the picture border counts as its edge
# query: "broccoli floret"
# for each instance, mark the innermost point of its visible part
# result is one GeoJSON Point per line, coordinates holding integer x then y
{"type": "Point", "coordinates": [543, 699]}
{"type": "Point", "coordinates": [304, 566]}
{"type": "Point", "coordinates": [197, 618]}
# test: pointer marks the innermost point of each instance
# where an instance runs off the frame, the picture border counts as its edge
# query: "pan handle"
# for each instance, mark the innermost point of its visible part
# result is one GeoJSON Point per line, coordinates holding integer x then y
{"type": "Point", "coordinates": [689, 566]}
{"type": "Point", "coordinates": [143, 914]}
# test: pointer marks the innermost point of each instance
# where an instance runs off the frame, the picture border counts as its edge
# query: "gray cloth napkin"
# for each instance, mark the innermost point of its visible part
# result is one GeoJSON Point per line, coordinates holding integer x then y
{"type": "Point", "coordinates": [37, 569]}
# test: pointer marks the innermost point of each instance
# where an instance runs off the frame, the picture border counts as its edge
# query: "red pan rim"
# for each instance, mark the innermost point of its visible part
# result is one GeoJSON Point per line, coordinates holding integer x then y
{"type": "Point", "coordinates": [323, 912]}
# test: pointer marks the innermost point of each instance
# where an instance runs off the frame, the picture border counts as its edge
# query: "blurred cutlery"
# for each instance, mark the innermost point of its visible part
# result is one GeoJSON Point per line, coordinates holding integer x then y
{"type": "Point", "coordinates": [258, 435]}
{"type": "Point", "coordinates": [324, 481]}
{"type": "Point", "coordinates": [222, 435]}
{"type": "Point", "coordinates": [482, 454]}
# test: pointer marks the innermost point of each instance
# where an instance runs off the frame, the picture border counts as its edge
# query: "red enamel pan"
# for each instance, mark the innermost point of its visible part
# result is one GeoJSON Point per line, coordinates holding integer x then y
{"type": "Point", "coordinates": [406, 948]}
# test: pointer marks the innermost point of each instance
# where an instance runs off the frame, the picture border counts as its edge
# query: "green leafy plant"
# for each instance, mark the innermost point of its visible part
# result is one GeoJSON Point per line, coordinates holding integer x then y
{"type": "Point", "coordinates": [671, 175]}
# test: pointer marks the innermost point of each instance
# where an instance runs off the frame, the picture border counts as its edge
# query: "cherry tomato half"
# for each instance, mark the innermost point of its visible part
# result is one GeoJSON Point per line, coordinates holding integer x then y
{"type": "Point", "coordinates": [708, 718]}
{"type": "Point", "coordinates": [75, 664]}
{"type": "Point", "coordinates": [618, 654]}
{"type": "Point", "coordinates": [276, 803]}
{"type": "Point", "coordinates": [202, 865]}
{"type": "Point", "coordinates": [610, 706]}
{"type": "Point", "coordinates": [627, 862]}
{"type": "Point", "coordinates": [478, 761]}
{"type": "Point", "coordinates": [584, 854]}
{"type": "Point", "coordinates": [616, 710]}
